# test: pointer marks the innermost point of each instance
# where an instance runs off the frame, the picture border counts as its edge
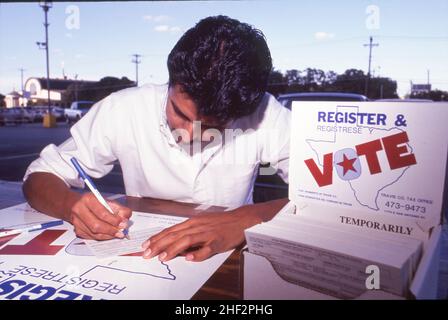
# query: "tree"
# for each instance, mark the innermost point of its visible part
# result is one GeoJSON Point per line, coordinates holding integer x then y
{"type": "Point", "coordinates": [351, 81]}
{"type": "Point", "coordinates": [276, 83]}
{"type": "Point", "coordinates": [95, 91]}
{"type": "Point", "coordinates": [330, 77]}
{"type": "Point", "coordinates": [382, 88]}
{"type": "Point", "coordinates": [293, 77]}
{"type": "Point", "coordinates": [314, 79]}
{"type": "Point", "coordinates": [2, 101]}
{"type": "Point", "coordinates": [434, 95]}
{"type": "Point", "coordinates": [293, 80]}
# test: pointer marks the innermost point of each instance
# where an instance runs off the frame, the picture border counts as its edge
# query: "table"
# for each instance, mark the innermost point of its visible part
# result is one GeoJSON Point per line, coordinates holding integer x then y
{"type": "Point", "coordinates": [225, 283]}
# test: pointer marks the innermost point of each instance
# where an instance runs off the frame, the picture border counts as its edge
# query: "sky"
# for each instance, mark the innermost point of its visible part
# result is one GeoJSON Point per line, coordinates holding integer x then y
{"type": "Point", "coordinates": [97, 39]}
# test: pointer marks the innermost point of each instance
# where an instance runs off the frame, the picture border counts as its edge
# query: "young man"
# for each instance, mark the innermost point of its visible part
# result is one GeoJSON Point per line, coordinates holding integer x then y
{"type": "Point", "coordinates": [198, 139]}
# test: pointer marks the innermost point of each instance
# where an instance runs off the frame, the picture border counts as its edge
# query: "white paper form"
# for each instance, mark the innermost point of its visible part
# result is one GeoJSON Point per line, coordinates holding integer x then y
{"type": "Point", "coordinates": [118, 247]}
{"type": "Point", "coordinates": [144, 225]}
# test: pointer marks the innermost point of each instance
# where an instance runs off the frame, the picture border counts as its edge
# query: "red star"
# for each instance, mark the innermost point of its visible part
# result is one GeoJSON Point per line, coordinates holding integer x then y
{"type": "Point", "coordinates": [347, 164]}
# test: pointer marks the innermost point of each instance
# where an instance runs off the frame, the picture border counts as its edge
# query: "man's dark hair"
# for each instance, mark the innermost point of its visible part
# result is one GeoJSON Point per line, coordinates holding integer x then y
{"type": "Point", "coordinates": [223, 65]}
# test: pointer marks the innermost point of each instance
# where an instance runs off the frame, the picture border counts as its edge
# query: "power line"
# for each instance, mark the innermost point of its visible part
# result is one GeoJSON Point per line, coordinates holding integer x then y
{"type": "Point", "coordinates": [137, 62]}
{"type": "Point", "coordinates": [412, 37]}
{"type": "Point", "coordinates": [370, 45]}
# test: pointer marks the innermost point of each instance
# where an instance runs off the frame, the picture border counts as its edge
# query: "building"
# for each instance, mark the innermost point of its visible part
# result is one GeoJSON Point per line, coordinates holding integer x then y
{"type": "Point", "coordinates": [14, 99]}
{"type": "Point", "coordinates": [35, 91]}
{"type": "Point", "coordinates": [420, 88]}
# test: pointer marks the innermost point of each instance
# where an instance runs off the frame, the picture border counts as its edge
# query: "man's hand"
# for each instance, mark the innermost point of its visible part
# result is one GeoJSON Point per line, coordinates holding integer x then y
{"type": "Point", "coordinates": [93, 221]}
{"type": "Point", "coordinates": [49, 194]}
{"type": "Point", "coordinates": [204, 236]}
{"type": "Point", "coordinates": [201, 237]}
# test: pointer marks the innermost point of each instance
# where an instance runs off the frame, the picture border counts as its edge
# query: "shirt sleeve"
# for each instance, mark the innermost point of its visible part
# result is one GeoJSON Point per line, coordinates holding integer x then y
{"type": "Point", "coordinates": [91, 143]}
{"type": "Point", "coordinates": [275, 147]}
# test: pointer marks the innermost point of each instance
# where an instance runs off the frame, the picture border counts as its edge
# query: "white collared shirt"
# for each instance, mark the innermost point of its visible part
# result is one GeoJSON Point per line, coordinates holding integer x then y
{"type": "Point", "coordinates": [130, 126]}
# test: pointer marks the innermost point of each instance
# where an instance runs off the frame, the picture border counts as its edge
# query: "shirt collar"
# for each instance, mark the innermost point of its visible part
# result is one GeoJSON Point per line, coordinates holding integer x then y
{"type": "Point", "coordinates": [163, 121]}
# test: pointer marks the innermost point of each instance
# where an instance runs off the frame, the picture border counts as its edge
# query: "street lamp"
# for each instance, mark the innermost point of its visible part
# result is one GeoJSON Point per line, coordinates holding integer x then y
{"type": "Point", "coordinates": [46, 5]}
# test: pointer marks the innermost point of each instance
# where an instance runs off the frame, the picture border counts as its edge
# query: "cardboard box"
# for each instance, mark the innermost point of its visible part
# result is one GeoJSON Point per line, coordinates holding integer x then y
{"type": "Point", "coordinates": [328, 200]}
{"type": "Point", "coordinates": [261, 282]}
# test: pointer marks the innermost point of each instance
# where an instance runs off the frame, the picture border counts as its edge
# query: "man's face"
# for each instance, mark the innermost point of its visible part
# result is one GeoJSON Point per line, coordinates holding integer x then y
{"type": "Point", "coordinates": [182, 116]}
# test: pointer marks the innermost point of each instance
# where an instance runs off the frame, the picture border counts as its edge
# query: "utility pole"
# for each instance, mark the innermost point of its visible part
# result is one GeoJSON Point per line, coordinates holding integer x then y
{"type": "Point", "coordinates": [381, 82]}
{"type": "Point", "coordinates": [21, 77]}
{"type": "Point", "coordinates": [46, 5]}
{"type": "Point", "coordinates": [76, 87]}
{"type": "Point", "coordinates": [137, 62]}
{"type": "Point", "coordinates": [370, 45]}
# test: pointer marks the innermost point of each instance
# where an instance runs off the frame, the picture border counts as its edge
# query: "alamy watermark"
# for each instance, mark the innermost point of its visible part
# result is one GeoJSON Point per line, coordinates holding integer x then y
{"type": "Point", "coordinates": [373, 278]}
{"type": "Point", "coordinates": [73, 19]}
{"type": "Point", "coordinates": [233, 146]}
{"type": "Point", "coordinates": [373, 17]}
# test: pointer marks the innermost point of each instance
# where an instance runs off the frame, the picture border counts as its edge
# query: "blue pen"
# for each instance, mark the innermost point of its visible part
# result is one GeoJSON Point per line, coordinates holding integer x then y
{"type": "Point", "coordinates": [94, 190]}
{"type": "Point", "coordinates": [36, 227]}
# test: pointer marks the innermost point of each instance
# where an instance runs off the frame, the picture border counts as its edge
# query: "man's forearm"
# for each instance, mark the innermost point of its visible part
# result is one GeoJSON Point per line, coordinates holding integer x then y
{"type": "Point", "coordinates": [47, 193]}
{"type": "Point", "coordinates": [261, 212]}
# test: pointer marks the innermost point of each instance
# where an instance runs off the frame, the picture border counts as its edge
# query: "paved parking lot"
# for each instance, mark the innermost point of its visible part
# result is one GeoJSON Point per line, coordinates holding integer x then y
{"type": "Point", "coordinates": [21, 144]}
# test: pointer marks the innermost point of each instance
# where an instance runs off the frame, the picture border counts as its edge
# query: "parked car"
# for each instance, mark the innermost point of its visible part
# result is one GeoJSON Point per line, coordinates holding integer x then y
{"type": "Point", "coordinates": [11, 115]}
{"type": "Point", "coordinates": [29, 114]}
{"type": "Point", "coordinates": [404, 100]}
{"type": "Point", "coordinates": [38, 113]}
{"type": "Point", "coordinates": [77, 110]}
{"type": "Point", "coordinates": [287, 99]}
{"type": "Point", "coordinates": [2, 117]}
{"type": "Point", "coordinates": [58, 112]}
